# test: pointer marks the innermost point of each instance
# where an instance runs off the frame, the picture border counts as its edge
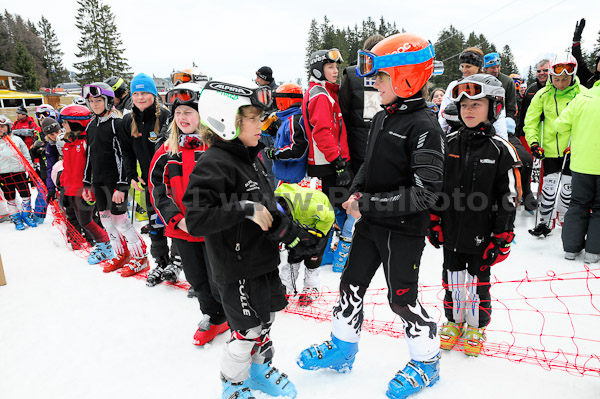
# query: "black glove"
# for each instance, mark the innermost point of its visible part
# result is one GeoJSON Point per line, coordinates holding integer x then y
{"type": "Point", "coordinates": [309, 242]}
{"type": "Point", "coordinates": [51, 195]}
{"type": "Point", "coordinates": [537, 151]}
{"type": "Point", "coordinates": [344, 174]}
{"type": "Point", "coordinates": [578, 30]}
{"type": "Point", "coordinates": [282, 229]}
{"type": "Point", "coordinates": [270, 153]}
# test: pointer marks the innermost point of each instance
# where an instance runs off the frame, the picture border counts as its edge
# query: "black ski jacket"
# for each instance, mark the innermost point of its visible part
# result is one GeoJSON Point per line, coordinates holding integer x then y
{"type": "Point", "coordinates": [481, 187]}
{"type": "Point", "coordinates": [104, 162]}
{"type": "Point", "coordinates": [510, 101]}
{"type": "Point", "coordinates": [226, 174]}
{"type": "Point", "coordinates": [142, 148]}
{"type": "Point", "coordinates": [586, 77]}
{"type": "Point", "coordinates": [529, 94]}
{"type": "Point", "coordinates": [403, 169]}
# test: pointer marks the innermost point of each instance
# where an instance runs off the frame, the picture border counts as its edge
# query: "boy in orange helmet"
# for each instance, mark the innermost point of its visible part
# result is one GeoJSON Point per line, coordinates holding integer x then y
{"type": "Point", "coordinates": [392, 194]}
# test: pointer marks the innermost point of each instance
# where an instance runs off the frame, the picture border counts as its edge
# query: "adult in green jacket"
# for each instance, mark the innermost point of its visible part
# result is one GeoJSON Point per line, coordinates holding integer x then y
{"type": "Point", "coordinates": [580, 120]}
{"type": "Point", "coordinates": [309, 208]}
{"type": "Point", "coordinates": [547, 143]}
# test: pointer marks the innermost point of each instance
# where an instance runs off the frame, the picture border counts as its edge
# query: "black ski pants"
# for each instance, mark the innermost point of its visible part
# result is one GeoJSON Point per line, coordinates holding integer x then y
{"type": "Point", "coordinates": [582, 221]}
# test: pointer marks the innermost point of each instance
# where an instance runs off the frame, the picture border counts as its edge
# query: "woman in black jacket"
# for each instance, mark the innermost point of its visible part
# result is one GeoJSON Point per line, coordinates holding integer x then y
{"type": "Point", "coordinates": [227, 201]}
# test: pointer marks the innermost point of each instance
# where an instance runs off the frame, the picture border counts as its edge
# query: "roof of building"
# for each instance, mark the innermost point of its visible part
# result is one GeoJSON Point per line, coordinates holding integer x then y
{"type": "Point", "coordinates": [9, 74]}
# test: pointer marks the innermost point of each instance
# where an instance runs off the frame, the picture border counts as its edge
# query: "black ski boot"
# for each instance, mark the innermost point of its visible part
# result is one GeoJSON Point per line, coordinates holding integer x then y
{"type": "Point", "coordinates": [157, 275]}
{"type": "Point", "coordinates": [171, 273]}
{"type": "Point", "coordinates": [541, 229]}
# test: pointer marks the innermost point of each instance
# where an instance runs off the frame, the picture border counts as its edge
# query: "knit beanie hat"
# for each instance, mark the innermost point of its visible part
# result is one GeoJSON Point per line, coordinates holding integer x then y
{"type": "Point", "coordinates": [143, 82]}
{"type": "Point", "coordinates": [22, 110]}
{"type": "Point", "coordinates": [265, 73]}
{"type": "Point", "coordinates": [50, 125]}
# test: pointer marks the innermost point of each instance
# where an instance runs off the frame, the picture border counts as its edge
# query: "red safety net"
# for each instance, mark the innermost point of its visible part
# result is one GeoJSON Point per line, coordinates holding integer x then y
{"type": "Point", "coordinates": [550, 321]}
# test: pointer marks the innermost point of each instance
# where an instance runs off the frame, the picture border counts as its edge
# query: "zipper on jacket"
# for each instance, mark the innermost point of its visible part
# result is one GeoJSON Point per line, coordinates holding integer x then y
{"type": "Point", "coordinates": [374, 147]}
{"type": "Point", "coordinates": [556, 105]}
{"type": "Point", "coordinates": [466, 162]}
{"type": "Point", "coordinates": [238, 245]}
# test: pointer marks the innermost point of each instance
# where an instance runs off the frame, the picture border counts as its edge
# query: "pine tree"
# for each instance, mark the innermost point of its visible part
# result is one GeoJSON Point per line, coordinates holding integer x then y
{"type": "Point", "coordinates": [100, 45]}
{"type": "Point", "coordinates": [25, 67]}
{"type": "Point", "coordinates": [313, 43]}
{"type": "Point", "coordinates": [508, 61]}
{"type": "Point", "coordinates": [448, 47]}
{"type": "Point", "coordinates": [55, 71]}
{"type": "Point", "coordinates": [530, 76]}
{"type": "Point", "coordinates": [472, 41]}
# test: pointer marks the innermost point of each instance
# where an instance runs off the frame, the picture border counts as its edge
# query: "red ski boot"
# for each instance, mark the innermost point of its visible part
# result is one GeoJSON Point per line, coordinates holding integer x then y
{"type": "Point", "coordinates": [135, 266]}
{"type": "Point", "coordinates": [115, 263]}
{"type": "Point", "coordinates": [207, 332]}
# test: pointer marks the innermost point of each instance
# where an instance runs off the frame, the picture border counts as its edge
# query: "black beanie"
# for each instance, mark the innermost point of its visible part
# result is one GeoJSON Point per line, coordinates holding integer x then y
{"type": "Point", "coordinates": [265, 73]}
{"type": "Point", "coordinates": [50, 125]}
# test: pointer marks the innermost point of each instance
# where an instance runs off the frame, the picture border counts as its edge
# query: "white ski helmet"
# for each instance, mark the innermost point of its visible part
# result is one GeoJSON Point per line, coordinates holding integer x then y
{"type": "Point", "coordinates": [5, 120]}
{"type": "Point", "coordinates": [477, 86]}
{"type": "Point", "coordinates": [220, 103]}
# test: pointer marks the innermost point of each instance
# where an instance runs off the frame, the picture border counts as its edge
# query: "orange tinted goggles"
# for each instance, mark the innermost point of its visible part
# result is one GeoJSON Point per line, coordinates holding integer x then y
{"type": "Point", "coordinates": [183, 95]}
{"type": "Point", "coordinates": [559, 69]}
{"type": "Point", "coordinates": [180, 77]}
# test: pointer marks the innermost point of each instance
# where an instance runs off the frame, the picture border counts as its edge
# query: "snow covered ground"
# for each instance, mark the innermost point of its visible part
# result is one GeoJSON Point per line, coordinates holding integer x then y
{"type": "Point", "coordinates": [67, 330]}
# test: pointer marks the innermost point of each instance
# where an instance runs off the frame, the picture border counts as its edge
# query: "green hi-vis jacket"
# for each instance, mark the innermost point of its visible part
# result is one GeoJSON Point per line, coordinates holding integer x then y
{"type": "Point", "coordinates": [545, 107]}
{"type": "Point", "coordinates": [309, 207]}
{"type": "Point", "coordinates": [581, 120]}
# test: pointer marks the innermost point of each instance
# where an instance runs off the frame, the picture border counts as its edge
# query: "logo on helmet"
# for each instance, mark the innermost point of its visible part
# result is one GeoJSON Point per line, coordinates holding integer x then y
{"type": "Point", "coordinates": [228, 88]}
{"type": "Point", "coordinates": [405, 47]}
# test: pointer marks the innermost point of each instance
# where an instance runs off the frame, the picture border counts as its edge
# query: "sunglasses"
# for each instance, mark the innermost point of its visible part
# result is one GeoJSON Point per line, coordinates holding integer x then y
{"type": "Point", "coordinates": [541, 70]}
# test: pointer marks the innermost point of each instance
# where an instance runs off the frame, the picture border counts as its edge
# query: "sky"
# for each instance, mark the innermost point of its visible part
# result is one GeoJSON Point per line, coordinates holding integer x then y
{"type": "Point", "coordinates": [234, 38]}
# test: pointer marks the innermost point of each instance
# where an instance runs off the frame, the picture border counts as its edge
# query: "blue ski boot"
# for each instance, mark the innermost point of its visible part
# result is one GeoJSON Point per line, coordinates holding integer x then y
{"type": "Point", "coordinates": [27, 215]}
{"type": "Point", "coordinates": [237, 390]}
{"type": "Point", "coordinates": [16, 219]}
{"type": "Point", "coordinates": [103, 251]}
{"type": "Point", "coordinates": [341, 254]}
{"type": "Point", "coordinates": [336, 354]}
{"type": "Point", "coordinates": [415, 376]}
{"type": "Point", "coordinates": [266, 378]}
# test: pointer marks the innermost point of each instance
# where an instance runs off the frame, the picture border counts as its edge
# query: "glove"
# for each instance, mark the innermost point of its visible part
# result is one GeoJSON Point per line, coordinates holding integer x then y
{"type": "Point", "coordinates": [309, 242]}
{"type": "Point", "coordinates": [282, 229]}
{"type": "Point", "coordinates": [270, 153]}
{"type": "Point", "coordinates": [537, 151]}
{"type": "Point", "coordinates": [51, 195]}
{"type": "Point", "coordinates": [498, 249]}
{"type": "Point", "coordinates": [344, 174]}
{"type": "Point", "coordinates": [434, 232]}
{"type": "Point", "coordinates": [567, 151]}
{"type": "Point", "coordinates": [578, 30]}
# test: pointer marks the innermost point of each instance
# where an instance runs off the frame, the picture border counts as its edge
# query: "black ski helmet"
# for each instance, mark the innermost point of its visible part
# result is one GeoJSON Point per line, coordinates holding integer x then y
{"type": "Point", "coordinates": [118, 85]}
{"type": "Point", "coordinates": [319, 58]}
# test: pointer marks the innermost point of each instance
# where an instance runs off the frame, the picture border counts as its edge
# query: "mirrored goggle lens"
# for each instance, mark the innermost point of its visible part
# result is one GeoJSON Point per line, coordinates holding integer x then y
{"type": "Point", "coordinates": [181, 95]}
{"type": "Point", "coordinates": [471, 90]}
{"type": "Point", "coordinates": [569, 69]}
{"type": "Point", "coordinates": [93, 91]}
{"type": "Point", "coordinates": [43, 114]}
{"type": "Point", "coordinates": [365, 66]}
{"type": "Point", "coordinates": [335, 55]}
{"type": "Point", "coordinates": [264, 96]}
{"type": "Point", "coordinates": [181, 77]}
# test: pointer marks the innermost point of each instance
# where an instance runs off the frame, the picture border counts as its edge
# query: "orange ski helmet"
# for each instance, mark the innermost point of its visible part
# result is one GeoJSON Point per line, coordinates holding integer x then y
{"type": "Point", "coordinates": [405, 57]}
{"type": "Point", "coordinates": [288, 94]}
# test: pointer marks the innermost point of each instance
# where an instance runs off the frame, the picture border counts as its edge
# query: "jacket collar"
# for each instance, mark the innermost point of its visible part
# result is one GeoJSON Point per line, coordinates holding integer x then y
{"type": "Point", "coordinates": [332, 88]}
{"type": "Point", "coordinates": [146, 114]}
{"type": "Point", "coordinates": [235, 147]}
{"type": "Point", "coordinates": [481, 130]}
{"type": "Point", "coordinates": [405, 105]}
{"type": "Point", "coordinates": [294, 109]}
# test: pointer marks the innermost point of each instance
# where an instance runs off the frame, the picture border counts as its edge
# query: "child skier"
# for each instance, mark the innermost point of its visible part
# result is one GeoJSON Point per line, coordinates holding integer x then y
{"type": "Point", "coordinates": [139, 137]}
{"type": "Point", "coordinates": [169, 175]}
{"type": "Point", "coordinates": [480, 167]}
{"type": "Point", "coordinates": [312, 210]}
{"type": "Point", "coordinates": [105, 179]}
{"type": "Point", "coordinates": [13, 177]}
{"type": "Point", "coordinates": [227, 202]}
{"type": "Point", "coordinates": [290, 147]}
{"type": "Point", "coordinates": [75, 119]}
{"type": "Point", "coordinates": [393, 191]}
{"type": "Point", "coordinates": [549, 145]}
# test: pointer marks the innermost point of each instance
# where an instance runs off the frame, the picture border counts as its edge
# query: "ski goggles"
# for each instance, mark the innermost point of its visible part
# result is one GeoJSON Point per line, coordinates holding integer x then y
{"type": "Point", "coordinates": [468, 89]}
{"type": "Point", "coordinates": [95, 91]}
{"type": "Point", "coordinates": [370, 63]}
{"type": "Point", "coordinates": [185, 77]}
{"type": "Point", "coordinates": [261, 97]}
{"type": "Point", "coordinates": [4, 120]}
{"type": "Point", "coordinates": [43, 114]}
{"type": "Point", "coordinates": [288, 95]}
{"type": "Point", "coordinates": [333, 55]}
{"type": "Point", "coordinates": [560, 69]}
{"type": "Point", "coordinates": [183, 96]}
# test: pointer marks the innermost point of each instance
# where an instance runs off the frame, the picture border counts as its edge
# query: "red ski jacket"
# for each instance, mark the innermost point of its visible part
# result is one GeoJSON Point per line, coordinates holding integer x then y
{"type": "Point", "coordinates": [27, 123]}
{"type": "Point", "coordinates": [324, 127]}
{"type": "Point", "coordinates": [168, 178]}
{"type": "Point", "coordinates": [74, 157]}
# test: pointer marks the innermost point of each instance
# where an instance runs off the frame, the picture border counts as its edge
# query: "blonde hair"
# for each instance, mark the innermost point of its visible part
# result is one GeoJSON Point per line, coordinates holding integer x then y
{"type": "Point", "coordinates": [172, 143]}
{"type": "Point", "coordinates": [134, 129]}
